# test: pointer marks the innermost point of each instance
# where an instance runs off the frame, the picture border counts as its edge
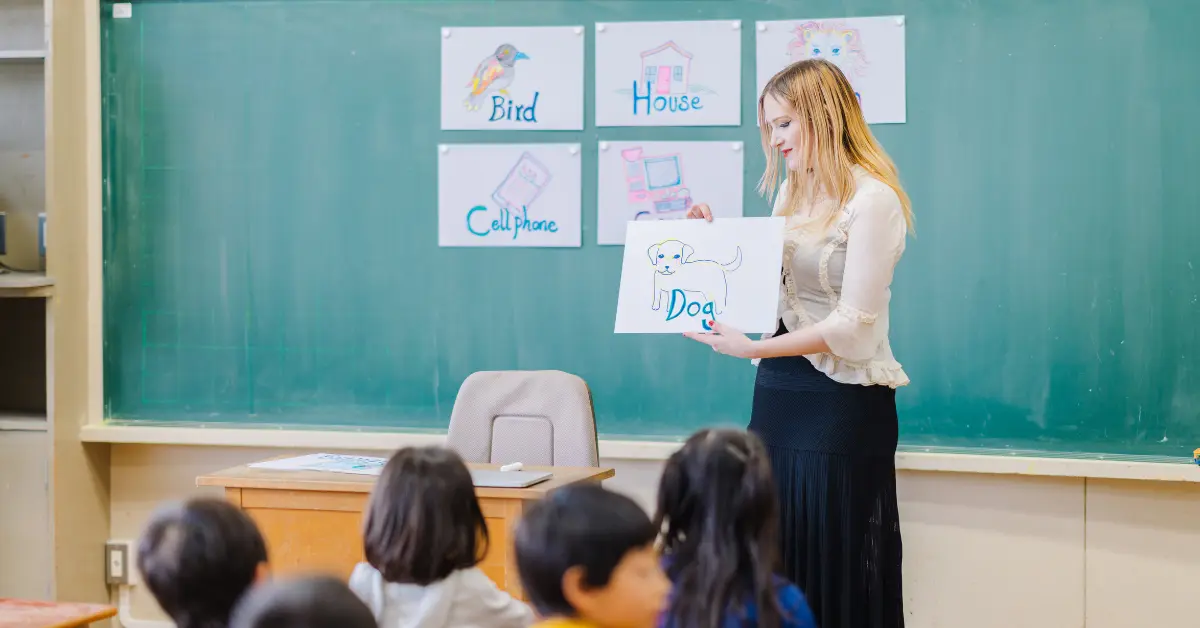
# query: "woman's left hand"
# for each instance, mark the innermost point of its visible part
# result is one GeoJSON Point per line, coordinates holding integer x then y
{"type": "Point", "coordinates": [725, 339]}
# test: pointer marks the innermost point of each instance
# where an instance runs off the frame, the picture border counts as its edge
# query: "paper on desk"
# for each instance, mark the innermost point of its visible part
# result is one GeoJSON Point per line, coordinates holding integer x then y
{"type": "Point", "coordinates": [337, 463]}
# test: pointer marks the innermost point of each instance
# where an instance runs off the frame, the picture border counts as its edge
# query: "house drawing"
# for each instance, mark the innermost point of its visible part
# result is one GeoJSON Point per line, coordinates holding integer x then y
{"type": "Point", "coordinates": [667, 69]}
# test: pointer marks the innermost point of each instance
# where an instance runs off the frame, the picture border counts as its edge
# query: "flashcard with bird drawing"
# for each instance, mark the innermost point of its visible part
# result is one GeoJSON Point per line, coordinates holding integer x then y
{"type": "Point", "coordinates": [527, 78]}
{"type": "Point", "coordinates": [680, 275]}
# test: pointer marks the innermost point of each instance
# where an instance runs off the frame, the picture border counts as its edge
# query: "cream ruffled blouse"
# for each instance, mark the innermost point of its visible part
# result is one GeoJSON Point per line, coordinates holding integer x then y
{"type": "Point", "coordinates": [840, 282]}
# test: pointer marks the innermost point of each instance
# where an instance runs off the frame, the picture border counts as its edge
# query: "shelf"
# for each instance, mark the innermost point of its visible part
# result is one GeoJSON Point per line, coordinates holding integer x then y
{"type": "Point", "coordinates": [18, 422]}
{"type": "Point", "coordinates": [22, 55]}
{"type": "Point", "coordinates": [26, 285]}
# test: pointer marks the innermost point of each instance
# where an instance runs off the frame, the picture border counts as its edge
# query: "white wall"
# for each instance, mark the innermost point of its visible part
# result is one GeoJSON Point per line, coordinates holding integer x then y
{"type": "Point", "coordinates": [979, 550]}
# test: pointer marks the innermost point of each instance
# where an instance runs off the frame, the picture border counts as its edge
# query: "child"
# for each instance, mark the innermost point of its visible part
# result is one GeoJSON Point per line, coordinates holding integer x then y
{"type": "Point", "coordinates": [199, 558]}
{"type": "Point", "coordinates": [308, 602]}
{"type": "Point", "coordinates": [423, 536]}
{"type": "Point", "coordinates": [587, 558]}
{"type": "Point", "coordinates": [718, 504]}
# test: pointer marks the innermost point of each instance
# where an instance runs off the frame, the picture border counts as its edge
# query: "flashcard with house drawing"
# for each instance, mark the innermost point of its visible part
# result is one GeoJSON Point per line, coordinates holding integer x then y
{"type": "Point", "coordinates": [679, 275]}
{"type": "Point", "coordinates": [661, 180]}
{"type": "Point", "coordinates": [868, 50]}
{"type": "Point", "coordinates": [669, 73]}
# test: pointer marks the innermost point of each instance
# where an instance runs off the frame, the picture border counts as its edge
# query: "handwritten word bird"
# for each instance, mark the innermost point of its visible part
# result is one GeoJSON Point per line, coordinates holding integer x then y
{"type": "Point", "coordinates": [494, 74]}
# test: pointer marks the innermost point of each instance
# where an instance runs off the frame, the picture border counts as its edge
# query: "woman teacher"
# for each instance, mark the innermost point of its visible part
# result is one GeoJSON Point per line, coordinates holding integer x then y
{"type": "Point", "coordinates": [824, 396]}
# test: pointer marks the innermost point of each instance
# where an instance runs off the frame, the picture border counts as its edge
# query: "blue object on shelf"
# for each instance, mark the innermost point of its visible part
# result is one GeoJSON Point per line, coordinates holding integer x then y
{"type": "Point", "coordinates": [42, 235]}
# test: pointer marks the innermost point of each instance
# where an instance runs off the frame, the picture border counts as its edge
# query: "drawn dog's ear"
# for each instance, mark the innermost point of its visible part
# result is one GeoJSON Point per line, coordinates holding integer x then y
{"type": "Point", "coordinates": [687, 252]}
{"type": "Point", "coordinates": [653, 253]}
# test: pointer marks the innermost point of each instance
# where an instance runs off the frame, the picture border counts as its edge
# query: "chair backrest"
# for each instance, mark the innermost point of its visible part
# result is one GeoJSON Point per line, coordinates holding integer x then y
{"type": "Point", "coordinates": [531, 417]}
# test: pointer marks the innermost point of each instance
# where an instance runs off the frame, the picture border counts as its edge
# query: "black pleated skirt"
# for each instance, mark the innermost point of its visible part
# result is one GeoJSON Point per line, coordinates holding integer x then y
{"type": "Point", "coordinates": [833, 452]}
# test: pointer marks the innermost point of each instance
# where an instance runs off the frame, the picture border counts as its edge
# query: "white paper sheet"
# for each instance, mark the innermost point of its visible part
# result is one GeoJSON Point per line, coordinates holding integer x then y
{"type": "Point", "coordinates": [678, 274]}
{"type": "Point", "coordinates": [661, 180]}
{"type": "Point", "coordinates": [868, 50]}
{"type": "Point", "coordinates": [338, 463]}
{"type": "Point", "coordinates": [527, 78]}
{"type": "Point", "coordinates": [669, 73]}
{"type": "Point", "coordinates": [509, 195]}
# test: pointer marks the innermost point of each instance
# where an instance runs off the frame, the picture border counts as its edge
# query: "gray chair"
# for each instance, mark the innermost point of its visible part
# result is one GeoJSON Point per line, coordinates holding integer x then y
{"type": "Point", "coordinates": [531, 417]}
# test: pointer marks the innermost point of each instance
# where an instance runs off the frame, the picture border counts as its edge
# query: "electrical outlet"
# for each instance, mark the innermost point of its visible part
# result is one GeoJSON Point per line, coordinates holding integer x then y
{"type": "Point", "coordinates": [116, 562]}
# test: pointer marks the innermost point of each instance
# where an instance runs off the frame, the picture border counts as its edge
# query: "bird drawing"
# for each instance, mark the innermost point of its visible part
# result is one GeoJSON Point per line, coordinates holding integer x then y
{"type": "Point", "coordinates": [494, 74]}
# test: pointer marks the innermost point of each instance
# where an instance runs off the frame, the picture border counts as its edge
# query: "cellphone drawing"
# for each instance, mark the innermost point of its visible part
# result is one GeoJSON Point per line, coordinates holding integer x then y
{"type": "Point", "coordinates": [524, 183]}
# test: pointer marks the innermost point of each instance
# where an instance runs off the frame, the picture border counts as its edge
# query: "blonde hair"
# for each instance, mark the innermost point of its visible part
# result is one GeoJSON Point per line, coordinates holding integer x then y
{"type": "Point", "coordinates": [835, 138]}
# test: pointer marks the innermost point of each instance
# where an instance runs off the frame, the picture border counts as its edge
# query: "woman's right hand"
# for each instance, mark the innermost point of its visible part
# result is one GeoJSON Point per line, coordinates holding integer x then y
{"type": "Point", "coordinates": [700, 211]}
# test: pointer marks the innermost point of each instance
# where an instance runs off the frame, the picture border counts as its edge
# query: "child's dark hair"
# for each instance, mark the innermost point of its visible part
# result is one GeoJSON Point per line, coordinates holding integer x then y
{"type": "Point", "coordinates": [581, 525]}
{"type": "Point", "coordinates": [424, 521]}
{"type": "Point", "coordinates": [718, 513]}
{"type": "Point", "coordinates": [198, 559]}
{"type": "Point", "coordinates": [307, 602]}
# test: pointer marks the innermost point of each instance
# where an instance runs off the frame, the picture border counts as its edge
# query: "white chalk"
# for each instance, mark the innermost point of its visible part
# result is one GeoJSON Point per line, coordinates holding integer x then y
{"type": "Point", "coordinates": [516, 466]}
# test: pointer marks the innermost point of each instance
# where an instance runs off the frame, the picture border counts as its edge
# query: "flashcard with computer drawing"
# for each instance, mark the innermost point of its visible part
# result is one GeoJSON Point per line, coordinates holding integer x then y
{"type": "Point", "coordinates": [509, 195]}
{"type": "Point", "coordinates": [661, 180]}
{"type": "Point", "coordinates": [669, 73]}
{"type": "Point", "coordinates": [680, 275]}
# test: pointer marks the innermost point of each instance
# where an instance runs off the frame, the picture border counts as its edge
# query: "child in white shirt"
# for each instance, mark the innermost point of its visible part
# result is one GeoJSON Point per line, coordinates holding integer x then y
{"type": "Point", "coordinates": [424, 536]}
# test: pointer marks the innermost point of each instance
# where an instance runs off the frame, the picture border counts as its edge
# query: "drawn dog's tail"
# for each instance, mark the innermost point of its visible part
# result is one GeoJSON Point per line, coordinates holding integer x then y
{"type": "Point", "coordinates": [736, 263]}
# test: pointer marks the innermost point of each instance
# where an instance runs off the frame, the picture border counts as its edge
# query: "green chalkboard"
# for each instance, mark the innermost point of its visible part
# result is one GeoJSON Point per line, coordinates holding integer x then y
{"type": "Point", "coordinates": [270, 225]}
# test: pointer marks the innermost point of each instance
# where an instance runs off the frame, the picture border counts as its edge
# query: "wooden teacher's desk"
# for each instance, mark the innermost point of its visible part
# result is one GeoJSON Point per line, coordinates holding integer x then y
{"type": "Point", "coordinates": [36, 614]}
{"type": "Point", "coordinates": [312, 520]}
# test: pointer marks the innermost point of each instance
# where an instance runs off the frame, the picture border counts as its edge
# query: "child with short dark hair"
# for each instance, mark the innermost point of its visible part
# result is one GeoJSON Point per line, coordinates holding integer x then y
{"type": "Point", "coordinates": [587, 558]}
{"type": "Point", "coordinates": [199, 558]}
{"type": "Point", "coordinates": [423, 537]}
{"type": "Point", "coordinates": [718, 511]}
{"type": "Point", "coordinates": [305, 602]}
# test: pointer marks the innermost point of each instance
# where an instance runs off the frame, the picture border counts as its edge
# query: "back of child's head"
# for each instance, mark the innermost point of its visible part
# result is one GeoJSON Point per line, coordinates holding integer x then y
{"type": "Point", "coordinates": [718, 510]}
{"type": "Point", "coordinates": [588, 552]}
{"type": "Point", "coordinates": [198, 559]}
{"type": "Point", "coordinates": [424, 522]}
{"type": "Point", "coordinates": [307, 602]}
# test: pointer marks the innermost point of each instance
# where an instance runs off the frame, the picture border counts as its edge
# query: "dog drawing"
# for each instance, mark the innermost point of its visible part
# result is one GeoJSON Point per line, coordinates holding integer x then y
{"type": "Point", "coordinates": [674, 269]}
